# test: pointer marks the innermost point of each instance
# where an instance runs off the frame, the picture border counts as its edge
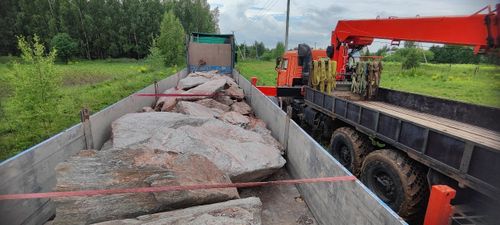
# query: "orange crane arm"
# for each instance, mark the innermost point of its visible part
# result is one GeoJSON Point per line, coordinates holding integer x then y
{"type": "Point", "coordinates": [478, 30]}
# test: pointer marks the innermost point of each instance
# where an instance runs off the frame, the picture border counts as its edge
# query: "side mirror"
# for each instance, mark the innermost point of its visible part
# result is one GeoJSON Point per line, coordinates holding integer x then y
{"type": "Point", "coordinates": [278, 63]}
{"type": "Point", "coordinates": [330, 51]}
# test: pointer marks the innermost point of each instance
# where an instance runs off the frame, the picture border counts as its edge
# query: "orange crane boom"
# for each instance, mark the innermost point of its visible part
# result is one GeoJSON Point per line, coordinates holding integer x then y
{"type": "Point", "coordinates": [479, 30]}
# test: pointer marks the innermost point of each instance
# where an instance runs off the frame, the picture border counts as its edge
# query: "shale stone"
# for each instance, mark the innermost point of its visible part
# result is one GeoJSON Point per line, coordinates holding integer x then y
{"type": "Point", "coordinates": [245, 211]}
{"type": "Point", "coordinates": [235, 118]}
{"type": "Point", "coordinates": [241, 107]}
{"type": "Point", "coordinates": [167, 103]}
{"type": "Point", "coordinates": [235, 92]}
{"type": "Point", "coordinates": [190, 82]}
{"type": "Point", "coordinates": [133, 168]}
{"type": "Point", "coordinates": [208, 88]}
{"type": "Point", "coordinates": [242, 154]}
{"type": "Point", "coordinates": [211, 103]}
{"type": "Point", "coordinates": [195, 109]}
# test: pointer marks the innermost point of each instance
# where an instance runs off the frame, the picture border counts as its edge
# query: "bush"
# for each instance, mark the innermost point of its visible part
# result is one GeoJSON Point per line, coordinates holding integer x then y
{"type": "Point", "coordinates": [401, 54]}
{"type": "Point", "coordinates": [33, 107]}
{"type": "Point", "coordinates": [65, 46]}
{"type": "Point", "coordinates": [267, 56]}
{"type": "Point", "coordinates": [410, 59]}
{"type": "Point", "coordinates": [155, 58]}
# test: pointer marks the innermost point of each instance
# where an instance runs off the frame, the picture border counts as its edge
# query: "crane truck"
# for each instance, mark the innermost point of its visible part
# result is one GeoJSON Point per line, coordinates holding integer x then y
{"type": "Point", "coordinates": [399, 143]}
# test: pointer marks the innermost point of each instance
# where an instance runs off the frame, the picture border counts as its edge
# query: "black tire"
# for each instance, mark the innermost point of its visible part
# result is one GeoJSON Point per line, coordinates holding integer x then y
{"type": "Point", "coordinates": [349, 148]}
{"type": "Point", "coordinates": [397, 180]}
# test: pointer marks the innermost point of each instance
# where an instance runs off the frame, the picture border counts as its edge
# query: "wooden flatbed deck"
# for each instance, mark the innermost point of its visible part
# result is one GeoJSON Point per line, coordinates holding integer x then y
{"type": "Point", "coordinates": [465, 131]}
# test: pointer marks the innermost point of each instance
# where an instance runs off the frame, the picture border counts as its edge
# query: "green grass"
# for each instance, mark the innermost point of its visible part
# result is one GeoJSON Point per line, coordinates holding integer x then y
{"type": "Point", "coordinates": [91, 84]}
{"type": "Point", "coordinates": [459, 82]}
{"type": "Point", "coordinates": [263, 70]}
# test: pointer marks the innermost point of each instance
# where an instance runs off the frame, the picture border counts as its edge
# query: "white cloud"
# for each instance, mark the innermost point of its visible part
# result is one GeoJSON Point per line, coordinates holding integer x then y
{"type": "Point", "coordinates": [312, 21]}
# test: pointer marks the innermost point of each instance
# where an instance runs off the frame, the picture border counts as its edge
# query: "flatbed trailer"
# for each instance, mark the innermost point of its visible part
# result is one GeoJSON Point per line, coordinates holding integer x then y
{"type": "Point", "coordinates": [434, 133]}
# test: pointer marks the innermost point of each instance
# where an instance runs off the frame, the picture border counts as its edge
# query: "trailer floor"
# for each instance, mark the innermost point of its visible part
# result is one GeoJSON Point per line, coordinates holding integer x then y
{"type": "Point", "coordinates": [465, 131]}
{"type": "Point", "coordinates": [281, 204]}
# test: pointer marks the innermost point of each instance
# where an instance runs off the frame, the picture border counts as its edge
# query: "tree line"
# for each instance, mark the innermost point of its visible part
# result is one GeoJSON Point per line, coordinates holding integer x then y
{"type": "Point", "coordinates": [411, 55]}
{"type": "Point", "coordinates": [96, 29]}
{"type": "Point", "coordinates": [259, 51]}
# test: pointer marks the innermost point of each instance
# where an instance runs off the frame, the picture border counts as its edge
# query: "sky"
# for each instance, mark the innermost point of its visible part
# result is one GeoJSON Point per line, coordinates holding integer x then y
{"type": "Point", "coordinates": [311, 21]}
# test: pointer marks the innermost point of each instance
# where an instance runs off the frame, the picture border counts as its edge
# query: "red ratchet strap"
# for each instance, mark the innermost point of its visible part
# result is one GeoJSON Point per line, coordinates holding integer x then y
{"type": "Point", "coordinates": [64, 194]}
{"type": "Point", "coordinates": [181, 95]}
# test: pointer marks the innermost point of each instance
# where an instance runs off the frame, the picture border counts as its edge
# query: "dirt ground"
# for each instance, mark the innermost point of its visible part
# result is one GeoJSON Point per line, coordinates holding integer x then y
{"type": "Point", "coordinates": [281, 204]}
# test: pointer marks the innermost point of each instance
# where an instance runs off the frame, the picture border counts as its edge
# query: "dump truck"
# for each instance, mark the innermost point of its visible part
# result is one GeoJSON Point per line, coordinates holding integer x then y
{"type": "Point", "coordinates": [400, 144]}
{"type": "Point", "coordinates": [347, 202]}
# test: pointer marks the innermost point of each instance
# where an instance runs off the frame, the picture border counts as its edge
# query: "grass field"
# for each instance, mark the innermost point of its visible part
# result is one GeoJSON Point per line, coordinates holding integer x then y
{"type": "Point", "coordinates": [477, 84]}
{"type": "Point", "coordinates": [97, 84]}
{"type": "Point", "coordinates": [263, 70]}
{"type": "Point", "coordinates": [91, 84]}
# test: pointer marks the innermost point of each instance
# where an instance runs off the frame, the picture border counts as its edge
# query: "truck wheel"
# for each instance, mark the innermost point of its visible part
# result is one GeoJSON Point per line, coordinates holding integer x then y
{"type": "Point", "coordinates": [397, 180]}
{"type": "Point", "coordinates": [349, 148]}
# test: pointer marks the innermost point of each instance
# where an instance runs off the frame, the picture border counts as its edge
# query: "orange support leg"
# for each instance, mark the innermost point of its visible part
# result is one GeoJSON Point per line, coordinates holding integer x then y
{"type": "Point", "coordinates": [439, 209]}
{"type": "Point", "coordinates": [266, 90]}
{"type": "Point", "coordinates": [253, 80]}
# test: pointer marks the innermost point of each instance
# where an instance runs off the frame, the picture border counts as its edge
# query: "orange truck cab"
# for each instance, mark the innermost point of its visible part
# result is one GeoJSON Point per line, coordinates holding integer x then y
{"type": "Point", "coordinates": [293, 70]}
{"type": "Point", "coordinates": [288, 68]}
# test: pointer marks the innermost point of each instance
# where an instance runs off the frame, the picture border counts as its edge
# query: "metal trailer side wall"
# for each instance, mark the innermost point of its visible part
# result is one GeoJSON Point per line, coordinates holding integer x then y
{"type": "Point", "coordinates": [33, 169]}
{"type": "Point", "coordinates": [331, 203]}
